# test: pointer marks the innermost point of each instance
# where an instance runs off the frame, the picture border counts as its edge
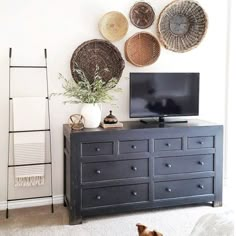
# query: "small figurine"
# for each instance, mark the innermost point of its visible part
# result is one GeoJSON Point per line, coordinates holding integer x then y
{"type": "Point", "coordinates": [110, 119]}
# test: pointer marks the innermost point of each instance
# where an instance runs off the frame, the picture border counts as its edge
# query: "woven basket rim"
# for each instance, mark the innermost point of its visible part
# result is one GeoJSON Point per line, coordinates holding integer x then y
{"type": "Point", "coordinates": [126, 26]}
{"type": "Point", "coordinates": [131, 18]}
{"type": "Point", "coordinates": [162, 41]}
{"type": "Point", "coordinates": [151, 61]}
{"type": "Point", "coordinates": [120, 65]}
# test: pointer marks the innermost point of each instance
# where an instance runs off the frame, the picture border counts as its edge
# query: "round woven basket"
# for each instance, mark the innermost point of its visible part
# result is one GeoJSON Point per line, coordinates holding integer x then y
{"type": "Point", "coordinates": [113, 26]}
{"type": "Point", "coordinates": [182, 25]}
{"type": "Point", "coordinates": [142, 15]}
{"type": "Point", "coordinates": [142, 49]}
{"type": "Point", "coordinates": [97, 53]}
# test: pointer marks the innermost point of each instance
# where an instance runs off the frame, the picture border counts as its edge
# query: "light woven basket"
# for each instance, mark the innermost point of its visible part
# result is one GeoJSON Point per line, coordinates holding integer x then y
{"type": "Point", "coordinates": [113, 26]}
{"type": "Point", "coordinates": [182, 25]}
{"type": "Point", "coordinates": [142, 49]}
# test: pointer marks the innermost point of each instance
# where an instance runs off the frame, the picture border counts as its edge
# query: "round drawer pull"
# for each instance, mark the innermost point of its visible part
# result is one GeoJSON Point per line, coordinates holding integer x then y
{"type": "Point", "coordinates": [134, 147]}
{"type": "Point", "coordinates": [98, 172]}
{"type": "Point", "coordinates": [168, 165]}
{"type": "Point", "coordinates": [98, 149]}
{"type": "Point", "coordinates": [134, 168]}
{"type": "Point", "coordinates": [201, 142]}
{"type": "Point", "coordinates": [201, 163]}
{"type": "Point", "coordinates": [134, 193]}
{"type": "Point", "coordinates": [168, 144]}
{"type": "Point", "coordinates": [168, 190]}
{"type": "Point", "coordinates": [201, 186]}
{"type": "Point", "coordinates": [98, 197]}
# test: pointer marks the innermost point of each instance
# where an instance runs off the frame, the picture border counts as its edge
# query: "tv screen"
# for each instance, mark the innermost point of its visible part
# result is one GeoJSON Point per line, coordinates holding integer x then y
{"type": "Point", "coordinates": [164, 94]}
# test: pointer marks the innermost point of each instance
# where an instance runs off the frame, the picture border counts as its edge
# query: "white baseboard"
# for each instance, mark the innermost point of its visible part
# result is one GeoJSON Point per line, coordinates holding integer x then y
{"type": "Point", "coordinates": [58, 199]}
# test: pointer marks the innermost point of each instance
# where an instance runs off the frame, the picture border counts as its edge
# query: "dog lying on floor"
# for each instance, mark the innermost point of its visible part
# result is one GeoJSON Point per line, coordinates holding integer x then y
{"type": "Point", "coordinates": [143, 231]}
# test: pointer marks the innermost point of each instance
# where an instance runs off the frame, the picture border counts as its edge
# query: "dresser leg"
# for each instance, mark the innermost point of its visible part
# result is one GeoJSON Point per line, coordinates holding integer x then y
{"type": "Point", "coordinates": [217, 204]}
{"type": "Point", "coordinates": [75, 221]}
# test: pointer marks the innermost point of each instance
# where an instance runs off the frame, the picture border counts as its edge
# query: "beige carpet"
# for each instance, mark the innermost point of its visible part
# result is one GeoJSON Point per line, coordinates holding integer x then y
{"type": "Point", "coordinates": [39, 221]}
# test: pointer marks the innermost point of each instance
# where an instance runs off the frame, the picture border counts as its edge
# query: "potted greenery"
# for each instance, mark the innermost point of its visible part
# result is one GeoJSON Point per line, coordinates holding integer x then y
{"type": "Point", "coordinates": [90, 94]}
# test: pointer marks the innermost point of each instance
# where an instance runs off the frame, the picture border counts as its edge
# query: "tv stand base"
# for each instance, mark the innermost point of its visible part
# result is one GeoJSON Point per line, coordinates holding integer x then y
{"type": "Point", "coordinates": [161, 120]}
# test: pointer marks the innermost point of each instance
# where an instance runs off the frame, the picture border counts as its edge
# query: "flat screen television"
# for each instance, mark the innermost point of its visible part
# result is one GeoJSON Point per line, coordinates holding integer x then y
{"type": "Point", "coordinates": [164, 94]}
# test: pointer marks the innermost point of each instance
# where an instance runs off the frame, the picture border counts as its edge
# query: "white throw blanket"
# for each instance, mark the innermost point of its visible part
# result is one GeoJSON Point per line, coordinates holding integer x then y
{"type": "Point", "coordinates": [29, 147]}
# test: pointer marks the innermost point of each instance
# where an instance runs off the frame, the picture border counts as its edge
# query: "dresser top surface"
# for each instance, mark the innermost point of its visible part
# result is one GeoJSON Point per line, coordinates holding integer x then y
{"type": "Point", "coordinates": [131, 125]}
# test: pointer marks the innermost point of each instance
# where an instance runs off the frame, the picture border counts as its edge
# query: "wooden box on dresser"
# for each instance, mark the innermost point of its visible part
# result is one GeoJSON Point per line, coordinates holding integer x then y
{"type": "Point", "coordinates": [141, 166]}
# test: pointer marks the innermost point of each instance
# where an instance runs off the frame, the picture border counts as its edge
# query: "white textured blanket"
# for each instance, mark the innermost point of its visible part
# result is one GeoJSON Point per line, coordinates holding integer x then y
{"type": "Point", "coordinates": [29, 147]}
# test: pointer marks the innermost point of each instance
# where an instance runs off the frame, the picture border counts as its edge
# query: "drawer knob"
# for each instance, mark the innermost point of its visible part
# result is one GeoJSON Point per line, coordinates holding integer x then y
{"type": "Point", "coordinates": [168, 190]}
{"type": "Point", "coordinates": [134, 168]}
{"type": "Point", "coordinates": [98, 172]}
{"type": "Point", "coordinates": [98, 149]}
{"type": "Point", "coordinates": [201, 163]}
{"type": "Point", "coordinates": [201, 142]}
{"type": "Point", "coordinates": [168, 144]}
{"type": "Point", "coordinates": [134, 193]}
{"type": "Point", "coordinates": [98, 197]}
{"type": "Point", "coordinates": [134, 147]}
{"type": "Point", "coordinates": [168, 165]}
{"type": "Point", "coordinates": [201, 186]}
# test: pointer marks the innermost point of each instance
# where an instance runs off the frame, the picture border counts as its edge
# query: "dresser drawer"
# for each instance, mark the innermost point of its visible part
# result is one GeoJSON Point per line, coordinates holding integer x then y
{"type": "Point", "coordinates": [114, 195]}
{"type": "Point", "coordinates": [114, 170]}
{"type": "Point", "coordinates": [133, 146]}
{"type": "Point", "coordinates": [183, 164]}
{"type": "Point", "coordinates": [183, 188]}
{"type": "Point", "coordinates": [200, 142]}
{"type": "Point", "coordinates": [168, 144]}
{"type": "Point", "coordinates": [94, 149]}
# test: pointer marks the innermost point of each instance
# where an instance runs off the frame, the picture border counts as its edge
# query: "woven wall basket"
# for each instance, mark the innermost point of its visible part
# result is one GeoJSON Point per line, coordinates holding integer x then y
{"type": "Point", "coordinates": [142, 15]}
{"type": "Point", "coordinates": [142, 49]}
{"type": "Point", "coordinates": [97, 52]}
{"type": "Point", "coordinates": [182, 25]}
{"type": "Point", "coordinates": [113, 26]}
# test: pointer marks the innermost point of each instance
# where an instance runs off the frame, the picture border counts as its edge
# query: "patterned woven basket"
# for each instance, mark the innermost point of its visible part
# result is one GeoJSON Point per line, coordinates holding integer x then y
{"type": "Point", "coordinates": [182, 25]}
{"type": "Point", "coordinates": [142, 49]}
{"type": "Point", "coordinates": [141, 15]}
{"type": "Point", "coordinates": [97, 53]}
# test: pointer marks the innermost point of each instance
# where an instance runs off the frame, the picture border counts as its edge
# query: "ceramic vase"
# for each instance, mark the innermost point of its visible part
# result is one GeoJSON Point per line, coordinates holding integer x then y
{"type": "Point", "coordinates": [92, 115]}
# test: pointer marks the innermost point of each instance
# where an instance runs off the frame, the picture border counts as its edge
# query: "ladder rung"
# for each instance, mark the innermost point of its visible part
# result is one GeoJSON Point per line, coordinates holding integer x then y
{"type": "Point", "coordinates": [28, 67]}
{"type": "Point", "coordinates": [18, 199]}
{"type": "Point", "coordinates": [32, 164]}
{"type": "Point", "coordinates": [28, 97]}
{"type": "Point", "coordinates": [25, 131]}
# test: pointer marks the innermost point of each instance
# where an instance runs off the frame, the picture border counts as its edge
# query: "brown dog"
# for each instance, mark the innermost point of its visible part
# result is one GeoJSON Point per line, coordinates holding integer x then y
{"type": "Point", "coordinates": [143, 231]}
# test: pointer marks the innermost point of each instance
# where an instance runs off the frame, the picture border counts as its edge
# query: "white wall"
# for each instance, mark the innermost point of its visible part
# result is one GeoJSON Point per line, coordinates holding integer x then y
{"type": "Point", "coordinates": [60, 26]}
{"type": "Point", "coordinates": [231, 97]}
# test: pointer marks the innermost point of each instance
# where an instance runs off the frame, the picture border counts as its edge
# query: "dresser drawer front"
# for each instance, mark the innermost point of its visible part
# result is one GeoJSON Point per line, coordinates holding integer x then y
{"type": "Point", "coordinates": [168, 144]}
{"type": "Point", "coordinates": [114, 170]}
{"type": "Point", "coordinates": [183, 164]}
{"type": "Point", "coordinates": [183, 188]}
{"type": "Point", "coordinates": [94, 149]}
{"type": "Point", "coordinates": [200, 142]}
{"type": "Point", "coordinates": [133, 146]}
{"type": "Point", "coordinates": [114, 195]}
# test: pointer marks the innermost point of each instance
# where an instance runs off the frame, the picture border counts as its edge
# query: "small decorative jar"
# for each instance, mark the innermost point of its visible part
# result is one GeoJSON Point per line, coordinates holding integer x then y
{"type": "Point", "coordinates": [110, 119]}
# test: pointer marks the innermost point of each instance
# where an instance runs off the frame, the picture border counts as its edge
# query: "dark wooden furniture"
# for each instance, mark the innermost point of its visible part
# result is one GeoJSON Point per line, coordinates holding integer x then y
{"type": "Point", "coordinates": [141, 166]}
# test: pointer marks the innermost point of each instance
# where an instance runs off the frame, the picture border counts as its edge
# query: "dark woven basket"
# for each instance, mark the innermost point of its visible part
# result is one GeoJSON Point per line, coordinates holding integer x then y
{"type": "Point", "coordinates": [101, 53]}
{"type": "Point", "coordinates": [182, 25]}
{"type": "Point", "coordinates": [142, 15]}
{"type": "Point", "coordinates": [142, 49]}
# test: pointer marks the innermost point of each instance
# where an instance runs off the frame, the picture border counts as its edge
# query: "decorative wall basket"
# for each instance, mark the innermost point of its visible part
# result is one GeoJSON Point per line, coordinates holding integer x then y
{"type": "Point", "coordinates": [182, 25]}
{"type": "Point", "coordinates": [142, 49]}
{"type": "Point", "coordinates": [101, 53]}
{"type": "Point", "coordinates": [113, 26]}
{"type": "Point", "coordinates": [142, 15]}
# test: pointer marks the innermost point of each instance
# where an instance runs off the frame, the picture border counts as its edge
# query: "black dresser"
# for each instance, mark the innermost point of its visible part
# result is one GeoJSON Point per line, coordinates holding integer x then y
{"type": "Point", "coordinates": [141, 166]}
